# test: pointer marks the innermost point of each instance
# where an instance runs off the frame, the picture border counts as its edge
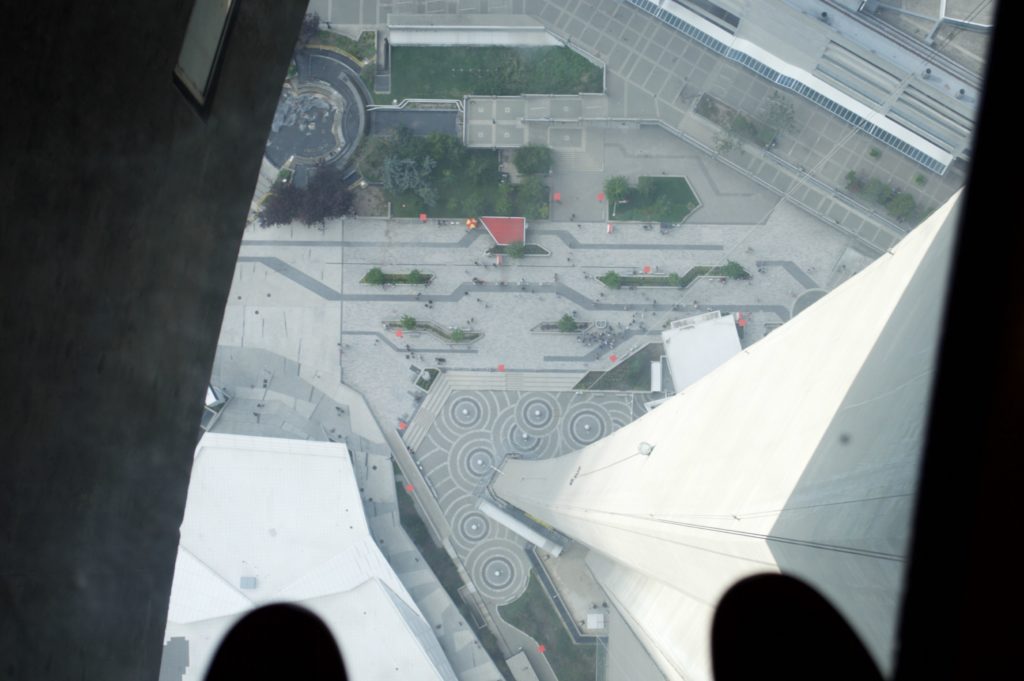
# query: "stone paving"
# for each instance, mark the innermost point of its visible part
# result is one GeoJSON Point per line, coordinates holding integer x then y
{"type": "Point", "coordinates": [656, 74]}
{"type": "Point", "coordinates": [467, 441]}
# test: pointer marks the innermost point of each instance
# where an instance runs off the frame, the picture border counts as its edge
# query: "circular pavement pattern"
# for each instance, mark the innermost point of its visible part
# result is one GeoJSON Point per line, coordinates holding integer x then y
{"type": "Point", "coordinates": [536, 414]}
{"type": "Point", "coordinates": [479, 461]}
{"type": "Point", "coordinates": [585, 423]}
{"type": "Point", "coordinates": [499, 570]}
{"type": "Point", "coordinates": [469, 527]}
{"type": "Point", "coordinates": [586, 426]}
{"type": "Point", "coordinates": [522, 442]}
{"type": "Point", "coordinates": [469, 460]}
{"type": "Point", "coordinates": [474, 526]}
{"type": "Point", "coordinates": [466, 412]}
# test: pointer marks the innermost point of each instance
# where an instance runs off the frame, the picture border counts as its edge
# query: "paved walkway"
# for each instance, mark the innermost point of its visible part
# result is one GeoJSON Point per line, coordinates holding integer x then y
{"type": "Point", "coordinates": [655, 74]}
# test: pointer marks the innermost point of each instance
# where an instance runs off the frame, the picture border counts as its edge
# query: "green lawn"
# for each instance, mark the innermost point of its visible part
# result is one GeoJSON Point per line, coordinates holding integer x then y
{"type": "Point", "coordinates": [444, 570]}
{"type": "Point", "coordinates": [658, 199]}
{"type": "Point", "coordinates": [632, 374]}
{"type": "Point", "coordinates": [451, 72]}
{"type": "Point", "coordinates": [534, 614]}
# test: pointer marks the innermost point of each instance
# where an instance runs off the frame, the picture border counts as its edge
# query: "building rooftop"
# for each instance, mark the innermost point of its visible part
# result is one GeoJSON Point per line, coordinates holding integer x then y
{"type": "Point", "coordinates": [698, 345]}
{"type": "Point", "coordinates": [505, 231]}
{"type": "Point", "coordinates": [271, 520]}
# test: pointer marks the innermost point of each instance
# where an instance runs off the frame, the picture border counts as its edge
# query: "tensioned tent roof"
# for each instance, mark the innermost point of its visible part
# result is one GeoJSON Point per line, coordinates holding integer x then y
{"type": "Point", "coordinates": [505, 231]}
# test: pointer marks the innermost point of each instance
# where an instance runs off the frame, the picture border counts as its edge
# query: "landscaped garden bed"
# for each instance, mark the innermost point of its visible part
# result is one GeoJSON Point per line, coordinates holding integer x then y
{"type": "Point", "coordinates": [409, 323]}
{"type": "Point", "coordinates": [436, 175]}
{"type": "Point", "coordinates": [527, 249]}
{"type": "Point", "coordinates": [633, 373]}
{"type": "Point", "coordinates": [427, 378]}
{"type": "Point", "coordinates": [377, 277]}
{"type": "Point", "coordinates": [452, 72]}
{"type": "Point", "coordinates": [898, 204]}
{"type": "Point", "coordinates": [533, 614]}
{"type": "Point", "coordinates": [564, 325]}
{"type": "Point", "coordinates": [653, 199]}
{"type": "Point", "coordinates": [731, 270]}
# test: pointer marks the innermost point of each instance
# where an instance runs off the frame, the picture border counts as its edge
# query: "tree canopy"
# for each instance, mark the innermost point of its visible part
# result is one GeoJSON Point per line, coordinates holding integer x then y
{"type": "Point", "coordinates": [533, 159]}
{"type": "Point", "coordinates": [616, 188]}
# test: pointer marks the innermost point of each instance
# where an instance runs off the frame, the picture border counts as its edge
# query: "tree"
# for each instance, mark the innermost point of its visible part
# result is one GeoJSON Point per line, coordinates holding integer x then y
{"type": "Point", "coordinates": [567, 324]}
{"type": "Point", "coordinates": [611, 279]}
{"type": "Point", "coordinates": [725, 142]}
{"type": "Point", "coordinates": [326, 196]}
{"type": "Point", "coordinates": [532, 198]}
{"type": "Point", "coordinates": [408, 322]}
{"type": "Point", "coordinates": [533, 159]}
{"type": "Point", "coordinates": [310, 27]}
{"type": "Point", "coordinates": [458, 335]}
{"type": "Point", "coordinates": [503, 203]}
{"type": "Point", "coordinates": [375, 276]}
{"type": "Point", "coordinates": [616, 188]}
{"type": "Point", "coordinates": [902, 206]}
{"type": "Point", "coordinates": [516, 250]}
{"type": "Point", "coordinates": [780, 114]}
{"type": "Point", "coordinates": [282, 205]}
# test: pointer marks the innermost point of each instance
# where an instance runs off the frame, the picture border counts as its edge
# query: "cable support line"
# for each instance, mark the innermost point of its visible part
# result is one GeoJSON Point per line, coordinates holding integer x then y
{"type": "Point", "coordinates": [880, 555]}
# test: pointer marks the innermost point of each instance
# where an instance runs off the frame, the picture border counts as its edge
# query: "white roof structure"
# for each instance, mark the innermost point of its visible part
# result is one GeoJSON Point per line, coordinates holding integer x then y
{"type": "Point", "coordinates": [698, 345]}
{"type": "Point", "coordinates": [799, 455]}
{"type": "Point", "coordinates": [271, 520]}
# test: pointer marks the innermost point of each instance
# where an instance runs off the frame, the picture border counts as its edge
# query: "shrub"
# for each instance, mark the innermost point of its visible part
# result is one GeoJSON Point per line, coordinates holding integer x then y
{"type": "Point", "coordinates": [458, 335]}
{"type": "Point", "coordinates": [616, 188]}
{"type": "Point", "coordinates": [516, 249]}
{"type": "Point", "coordinates": [902, 206]}
{"type": "Point", "coordinates": [875, 153]}
{"type": "Point", "coordinates": [920, 180]}
{"type": "Point", "coordinates": [375, 276]}
{"type": "Point", "coordinates": [674, 279]}
{"type": "Point", "coordinates": [567, 324]}
{"type": "Point", "coordinates": [417, 277]}
{"type": "Point", "coordinates": [611, 279]}
{"type": "Point", "coordinates": [408, 322]}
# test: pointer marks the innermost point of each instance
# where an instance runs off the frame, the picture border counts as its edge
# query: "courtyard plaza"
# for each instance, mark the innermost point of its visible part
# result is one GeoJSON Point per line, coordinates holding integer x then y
{"type": "Point", "coordinates": [655, 74]}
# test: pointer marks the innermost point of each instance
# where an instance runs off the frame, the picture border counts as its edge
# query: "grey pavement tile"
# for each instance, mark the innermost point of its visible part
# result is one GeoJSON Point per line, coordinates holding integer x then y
{"type": "Point", "coordinates": [631, 38]}
{"type": "Point", "coordinates": [605, 45]}
{"type": "Point", "coordinates": [617, 56]}
{"type": "Point", "coordinates": [589, 37]}
{"type": "Point", "coordinates": [656, 80]}
{"type": "Point", "coordinates": [654, 51]}
{"type": "Point", "coordinates": [573, 26]}
{"type": "Point", "coordinates": [641, 71]}
{"type": "Point", "coordinates": [599, 20]}
{"type": "Point", "coordinates": [549, 12]}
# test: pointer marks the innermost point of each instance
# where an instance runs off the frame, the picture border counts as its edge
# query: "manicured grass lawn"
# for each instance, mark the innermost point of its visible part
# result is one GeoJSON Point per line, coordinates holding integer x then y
{"type": "Point", "coordinates": [534, 614]}
{"type": "Point", "coordinates": [632, 374]}
{"type": "Point", "coordinates": [658, 199]}
{"type": "Point", "coordinates": [445, 571]}
{"type": "Point", "coordinates": [451, 72]}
